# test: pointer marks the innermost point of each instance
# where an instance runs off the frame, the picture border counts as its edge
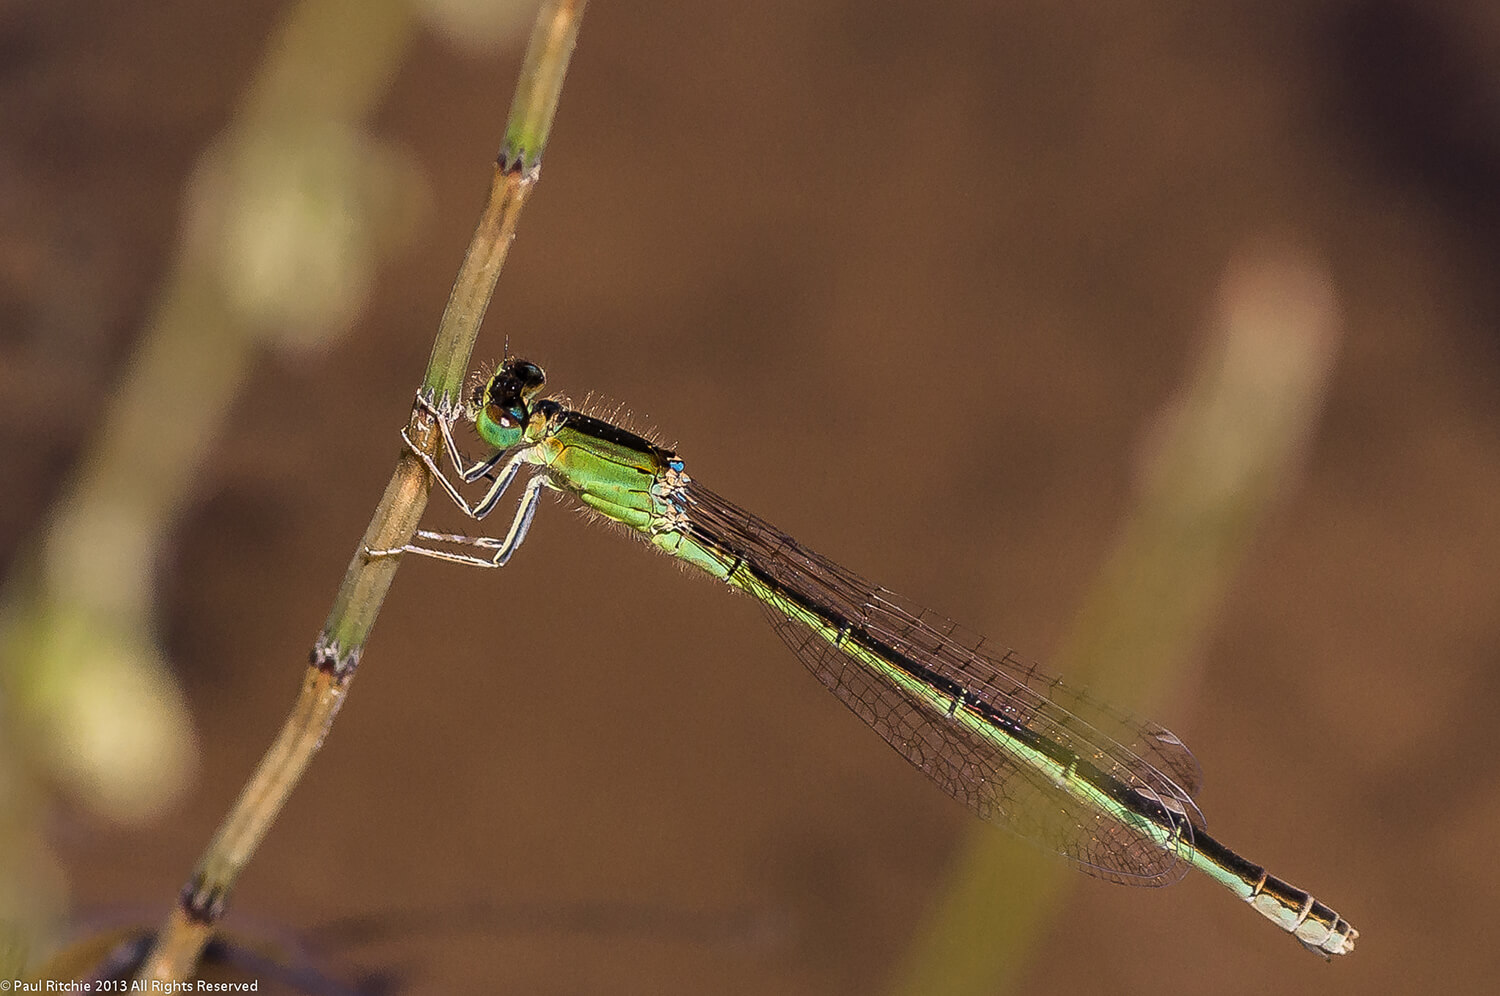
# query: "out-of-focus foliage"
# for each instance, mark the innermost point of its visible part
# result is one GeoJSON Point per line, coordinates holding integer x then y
{"type": "Point", "coordinates": [1221, 452]}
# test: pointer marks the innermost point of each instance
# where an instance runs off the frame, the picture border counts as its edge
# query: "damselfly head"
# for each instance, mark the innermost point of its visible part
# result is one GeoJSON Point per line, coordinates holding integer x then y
{"type": "Point", "coordinates": [503, 404]}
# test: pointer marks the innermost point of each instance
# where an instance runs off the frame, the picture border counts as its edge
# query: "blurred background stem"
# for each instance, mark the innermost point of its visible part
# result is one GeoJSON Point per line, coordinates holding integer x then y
{"type": "Point", "coordinates": [1219, 456]}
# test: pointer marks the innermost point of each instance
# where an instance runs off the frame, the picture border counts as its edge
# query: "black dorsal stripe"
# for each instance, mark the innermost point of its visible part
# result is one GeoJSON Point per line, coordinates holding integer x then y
{"type": "Point", "coordinates": [611, 433]}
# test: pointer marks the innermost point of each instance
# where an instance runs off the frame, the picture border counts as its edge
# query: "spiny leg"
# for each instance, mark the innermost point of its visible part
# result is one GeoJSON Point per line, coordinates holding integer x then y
{"type": "Point", "coordinates": [491, 497]}
{"type": "Point", "coordinates": [445, 422]}
{"type": "Point", "coordinates": [502, 481]}
{"type": "Point", "coordinates": [503, 548]}
{"type": "Point", "coordinates": [483, 468]}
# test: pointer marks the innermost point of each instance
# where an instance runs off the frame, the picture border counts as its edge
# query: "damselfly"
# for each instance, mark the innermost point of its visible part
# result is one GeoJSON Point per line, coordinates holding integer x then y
{"type": "Point", "coordinates": [1112, 794]}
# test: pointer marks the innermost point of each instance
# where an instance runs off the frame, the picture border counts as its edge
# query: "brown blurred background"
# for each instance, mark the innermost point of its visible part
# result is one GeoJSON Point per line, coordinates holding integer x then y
{"type": "Point", "coordinates": [912, 281]}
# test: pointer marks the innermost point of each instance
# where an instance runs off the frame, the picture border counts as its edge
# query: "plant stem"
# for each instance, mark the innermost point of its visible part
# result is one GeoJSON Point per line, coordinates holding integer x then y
{"type": "Point", "coordinates": [336, 652]}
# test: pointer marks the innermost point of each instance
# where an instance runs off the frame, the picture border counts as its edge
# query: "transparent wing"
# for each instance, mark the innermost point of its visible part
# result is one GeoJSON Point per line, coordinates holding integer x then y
{"type": "Point", "coordinates": [1142, 758]}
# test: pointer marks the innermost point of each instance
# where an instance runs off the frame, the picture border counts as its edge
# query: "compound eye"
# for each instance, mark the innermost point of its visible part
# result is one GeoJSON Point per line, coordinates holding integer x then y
{"type": "Point", "coordinates": [514, 384]}
{"type": "Point", "coordinates": [507, 402]}
{"type": "Point", "coordinates": [528, 374]}
{"type": "Point", "coordinates": [507, 418]}
{"type": "Point", "coordinates": [501, 426]}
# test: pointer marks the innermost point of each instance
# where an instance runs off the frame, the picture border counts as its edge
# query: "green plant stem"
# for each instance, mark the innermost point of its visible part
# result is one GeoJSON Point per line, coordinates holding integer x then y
{"type": "Point", "coordinates": [526, 131]}
{"type": "Point", "coordinates": [336, 653]}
